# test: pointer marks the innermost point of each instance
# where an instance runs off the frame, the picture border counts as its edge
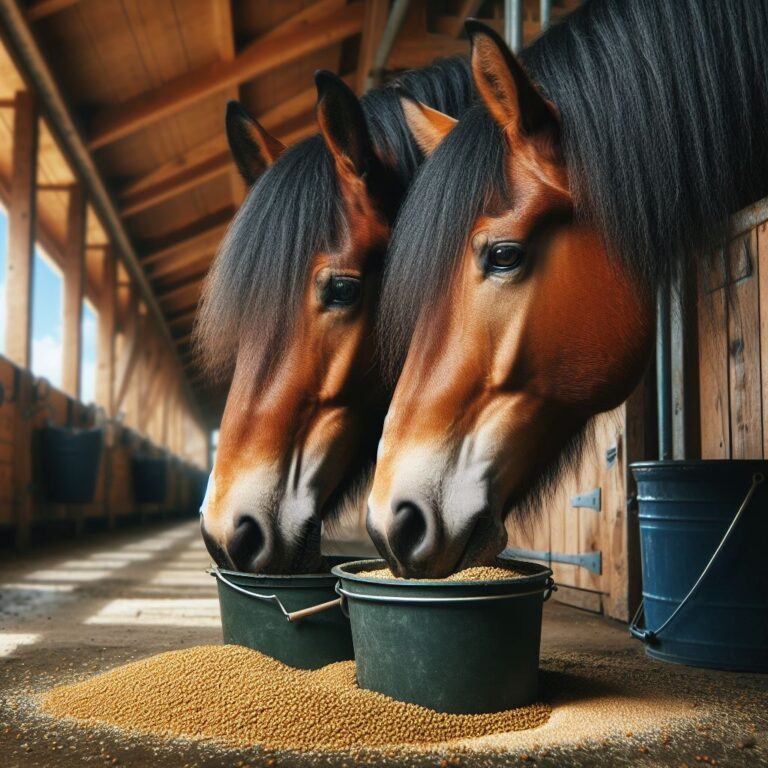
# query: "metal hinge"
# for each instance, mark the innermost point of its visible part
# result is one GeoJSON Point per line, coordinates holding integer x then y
{"type": "Point", "coordinates": [610, 456]}
{"type": "Point", "coordinates": [590, 561]}
{"type": "Point", "coordinates": [589, 500]}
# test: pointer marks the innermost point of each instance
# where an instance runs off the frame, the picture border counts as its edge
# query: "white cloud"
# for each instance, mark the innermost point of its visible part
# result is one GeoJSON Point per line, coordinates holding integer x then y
{"type": "Point", "coordinates": [47, 356]}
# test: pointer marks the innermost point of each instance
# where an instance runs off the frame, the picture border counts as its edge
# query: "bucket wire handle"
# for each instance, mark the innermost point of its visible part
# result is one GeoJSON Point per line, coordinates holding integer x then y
{"type": "Point", "coordinates": [274, 599]}
{"type": "Point", "coordinates": [650, 635]}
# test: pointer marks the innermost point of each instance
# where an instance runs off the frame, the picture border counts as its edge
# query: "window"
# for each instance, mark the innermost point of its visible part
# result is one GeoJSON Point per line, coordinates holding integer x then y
{"type": "Point", "coordinates": [47, 331]}
{"type": "Point", "coordinates": [88, 353]}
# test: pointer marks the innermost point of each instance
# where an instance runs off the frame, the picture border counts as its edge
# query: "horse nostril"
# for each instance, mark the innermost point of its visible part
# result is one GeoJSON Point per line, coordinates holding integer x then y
{"type": "Point", "coordinates": [246, 543]}
{"type": "Point", "coordinates": [407, 531]}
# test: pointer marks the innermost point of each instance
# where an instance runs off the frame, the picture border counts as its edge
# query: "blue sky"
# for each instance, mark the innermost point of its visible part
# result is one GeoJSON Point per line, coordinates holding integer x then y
{"type": "Point", "coordinates": [47, 301]}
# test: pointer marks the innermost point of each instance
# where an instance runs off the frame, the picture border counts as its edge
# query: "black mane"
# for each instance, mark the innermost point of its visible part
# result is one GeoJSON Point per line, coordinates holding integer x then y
{"type": "Point", "coordinates": [664, 108]}
{"type": "Point", "coordinates": [295, 209]}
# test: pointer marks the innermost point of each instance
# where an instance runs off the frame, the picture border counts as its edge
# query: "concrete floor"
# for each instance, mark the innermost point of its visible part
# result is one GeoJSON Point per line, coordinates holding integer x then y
{"type": "Point", "coordinates": [73, 609]}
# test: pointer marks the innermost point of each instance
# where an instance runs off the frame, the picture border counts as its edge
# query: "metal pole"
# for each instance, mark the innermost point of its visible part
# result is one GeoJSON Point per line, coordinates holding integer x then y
{"type": "Point", "coordinates": [388, 37]}
{"type": "Point", "coordinates": [663, 370]}
{"type": "Point", "coordinates": [545, 13]}
{"type": "Point", "coordinates": [513, 24]}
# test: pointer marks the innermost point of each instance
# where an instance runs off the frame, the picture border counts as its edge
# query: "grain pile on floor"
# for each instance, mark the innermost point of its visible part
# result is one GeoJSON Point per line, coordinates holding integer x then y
{"type": "Point", "coordinates": [475, 573]}
{"type": "Point", "coordinates": [240, 697]}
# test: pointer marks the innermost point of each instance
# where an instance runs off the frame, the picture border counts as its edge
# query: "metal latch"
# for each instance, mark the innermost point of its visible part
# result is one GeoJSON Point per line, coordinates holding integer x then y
{"type": "Point", "coordinates": [590, 561]}
{"type": "Point", "coordinates": [589, 500]}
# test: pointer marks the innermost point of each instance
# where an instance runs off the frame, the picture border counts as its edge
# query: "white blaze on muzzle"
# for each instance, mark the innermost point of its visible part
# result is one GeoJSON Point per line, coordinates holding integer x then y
{"type": "Point", "coordinates": [208, 493]}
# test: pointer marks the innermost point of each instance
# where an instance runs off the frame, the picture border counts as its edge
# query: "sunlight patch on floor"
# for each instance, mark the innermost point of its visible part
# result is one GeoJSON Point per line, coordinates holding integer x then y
{"type": "Point", "coordinates": [194, 612]}
{"type": "Point", "coordinates": [10, 641]}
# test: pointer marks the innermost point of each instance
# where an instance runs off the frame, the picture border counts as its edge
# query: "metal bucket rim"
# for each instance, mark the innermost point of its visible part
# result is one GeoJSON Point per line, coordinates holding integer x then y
{"type": "Point", "coordinates": [340, 571]}
{"type": "Point", "coordinates": [696, 463]}
{"type": "Point", "coordinates": [284, 577]}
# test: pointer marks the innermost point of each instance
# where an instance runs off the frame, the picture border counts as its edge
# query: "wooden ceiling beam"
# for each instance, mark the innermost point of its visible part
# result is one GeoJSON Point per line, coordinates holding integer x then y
{"type": "Point", "coordinates": [455, 25]}
{"type": "Point", "coordinates": [190, 288]}
{"type": "Point", "coordinates": [183, 282]}
{"type": "Point", "coordinates": [376, 15]}
{"type": "Point", "coordinates": [213, 155]}
{"type": "Point", "coordinates": [192, 176]}
{"type": "Point", "coordinates": [255, 59]}
{"type": "Point", "coordinates": [39, 9]}
{"type": "Point", "coordinates": [185, 318]}
{"type": "Point", "coordinates": [193, 259]}
{"type": "Point", "coordinates": [187, 236]}
{"type": "Point", "coordinates": [413, 52]}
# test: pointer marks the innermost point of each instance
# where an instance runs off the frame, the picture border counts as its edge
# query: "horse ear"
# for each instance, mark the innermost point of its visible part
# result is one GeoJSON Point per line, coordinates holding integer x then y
{"type": "Point", "coordinates": [428, 126]}
{"type": "Point", "coordinates": [253, 149]}
{"type": "Point", "coordinates": [504, 86]}
{"type": "Point", "coordinates": [342, 123]}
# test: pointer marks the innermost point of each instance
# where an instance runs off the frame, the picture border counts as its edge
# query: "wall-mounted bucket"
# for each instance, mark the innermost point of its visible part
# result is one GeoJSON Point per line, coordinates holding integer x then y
{"type": "Point", "coordinates": [69, 463]}
{"type": "Point", "coordinates": [703, 535]}
{"type": "Point", "coordinates": [451, 646]}
{"type": "Point", "coordinates": [296, 619]}
{"type": "Point", "coordinates": [150, 479]}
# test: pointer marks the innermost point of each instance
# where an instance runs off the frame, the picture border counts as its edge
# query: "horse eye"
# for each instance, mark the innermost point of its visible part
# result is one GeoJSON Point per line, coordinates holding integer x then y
{"type": "Point", "coordinates": [341, 291]}
{"type": "Point", "coordinates": [503, 258]}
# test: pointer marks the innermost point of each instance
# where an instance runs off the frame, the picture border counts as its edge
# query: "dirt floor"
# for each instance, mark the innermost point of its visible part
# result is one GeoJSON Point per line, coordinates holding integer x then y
{"type": "Point", "coordinates": [78, 608]}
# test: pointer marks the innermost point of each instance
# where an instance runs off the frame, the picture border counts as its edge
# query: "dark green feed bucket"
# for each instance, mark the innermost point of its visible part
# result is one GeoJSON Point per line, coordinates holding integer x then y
{"type": "Point", "coordinates": [452, 646]}
{"type": "Point", "coordinates": [279, 616]}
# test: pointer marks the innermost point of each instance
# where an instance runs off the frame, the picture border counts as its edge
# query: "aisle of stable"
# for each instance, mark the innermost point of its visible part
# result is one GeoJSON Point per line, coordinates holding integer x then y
{"type": "Point", "coordinates": [76, 609]}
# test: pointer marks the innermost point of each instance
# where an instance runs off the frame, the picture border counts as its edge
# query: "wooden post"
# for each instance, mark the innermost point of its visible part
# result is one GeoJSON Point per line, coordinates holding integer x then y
{"type": "Point", "coordinates": [22, 459]}
{"type": "Point", "coordinates": [21, 231]}
{"type": "Point", "coordinates": [105, 379]}
{"type": "Point", "coordinates": [73, 290]}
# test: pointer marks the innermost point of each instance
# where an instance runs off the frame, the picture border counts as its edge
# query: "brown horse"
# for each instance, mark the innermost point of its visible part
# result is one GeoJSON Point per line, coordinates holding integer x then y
{"type": "Point", "coordinates": [288, 312]}
{"type": "Point", "coordinates": [536, 234]}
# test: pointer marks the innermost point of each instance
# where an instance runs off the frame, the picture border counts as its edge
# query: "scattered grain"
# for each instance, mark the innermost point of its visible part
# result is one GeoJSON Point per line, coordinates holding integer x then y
{"type": "Point", "coordinates": [240, 697]}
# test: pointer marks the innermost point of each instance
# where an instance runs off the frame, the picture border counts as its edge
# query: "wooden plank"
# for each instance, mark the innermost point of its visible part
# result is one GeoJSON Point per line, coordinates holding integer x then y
{"type": "Point", "coordinates": [39, 9]}
{"type": "Point", "coordinates": [189, 177]}
{"type": "Point", "coordinates": [105, 373]}
{"type": "Point", "coordinates": [195, 260]}
{"type": "Point", "coordinates": [21, 230]}
{"type": "Point", "coordinates": [374, 22]}
{"type": "Point", "coordinates": [254, 60]}
{"type": "Point", "coordinates": [203, 229]}
{"type": "Point", "coordinates": [744, 363]}
{"type": "Point", "coordinates": [73, 291]}
{"type": "Point", "coordinates": [762, 267]}
{"type": "Point", "coordinates": [467, 10]}
{"type": "Point", "coordinates": [713, 361]}
{"type": "Point", "coordinates": [22, 465]}
{"type": "Point", "coordinates": [415, 52]}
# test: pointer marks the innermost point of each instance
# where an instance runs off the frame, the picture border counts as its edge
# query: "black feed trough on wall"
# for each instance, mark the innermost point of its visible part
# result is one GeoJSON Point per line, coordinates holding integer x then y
{"type": "Point", "coordinates": [150, 479]}
{"type": "Point", "coordinates": [69, 463]}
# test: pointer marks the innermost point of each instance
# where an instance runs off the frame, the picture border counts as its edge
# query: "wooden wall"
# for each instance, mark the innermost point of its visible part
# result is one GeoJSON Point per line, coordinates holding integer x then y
{"type": "Point", "coordinates": [28, 404]}
{"type": "Point", "coordinates": [590, 518]}
{"type": "Point", "coordinates": [733, 346]}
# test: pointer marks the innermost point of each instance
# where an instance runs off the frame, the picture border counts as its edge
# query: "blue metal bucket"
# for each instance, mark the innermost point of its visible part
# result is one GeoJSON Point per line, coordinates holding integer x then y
{"type": "Point", "coordinates": [704, 544]}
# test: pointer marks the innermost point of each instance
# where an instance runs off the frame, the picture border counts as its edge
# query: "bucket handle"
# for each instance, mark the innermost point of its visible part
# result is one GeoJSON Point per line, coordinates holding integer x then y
{"type": "Point", "coordinates": [275, 600]}
{"type": "Point", "coordinates": [651, 635]}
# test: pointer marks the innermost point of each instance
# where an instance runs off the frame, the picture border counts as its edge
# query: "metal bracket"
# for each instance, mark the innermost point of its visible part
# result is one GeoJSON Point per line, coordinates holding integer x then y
{"type": "Point", "coordinates": [611, 455]}
{"type": "Point", "coordinates": [590, 561]}
{"type": "Point", "coordinates": [589, 500]}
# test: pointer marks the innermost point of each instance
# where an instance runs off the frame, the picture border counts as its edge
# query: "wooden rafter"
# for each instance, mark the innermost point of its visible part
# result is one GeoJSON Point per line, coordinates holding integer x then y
{"type": "Point", "coordinates": [467, 9]}
{"type": "Point", "coordinates": [189, 236]}
{"type": "Point", "coordinates": [212, 158]}
{"type": "Point", "coordinates": [255, 59]}
{"type": "Point", "coordinates": [39, 9]}
{"type": "Point", "coordinates": [412, 52]}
